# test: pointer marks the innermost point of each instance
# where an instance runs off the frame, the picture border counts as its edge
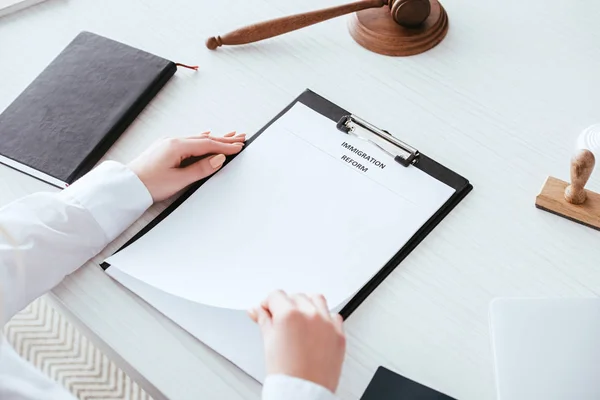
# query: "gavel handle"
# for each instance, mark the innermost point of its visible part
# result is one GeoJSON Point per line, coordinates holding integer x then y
{"type": "Point", "coordinates": [279, 26]}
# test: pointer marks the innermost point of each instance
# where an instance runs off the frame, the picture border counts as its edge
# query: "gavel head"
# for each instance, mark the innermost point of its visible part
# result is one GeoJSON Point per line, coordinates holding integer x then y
{"type": "Point", "coordinates": [409, 13]}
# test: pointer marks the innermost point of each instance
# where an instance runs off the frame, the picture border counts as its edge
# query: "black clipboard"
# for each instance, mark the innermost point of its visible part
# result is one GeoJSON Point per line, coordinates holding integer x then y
{"type": "Point", "coordinates": [341, 119]}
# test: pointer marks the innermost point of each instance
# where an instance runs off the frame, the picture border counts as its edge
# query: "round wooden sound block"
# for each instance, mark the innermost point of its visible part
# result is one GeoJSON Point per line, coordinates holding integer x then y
{"type": "Point", "coordinates": [375, 30]}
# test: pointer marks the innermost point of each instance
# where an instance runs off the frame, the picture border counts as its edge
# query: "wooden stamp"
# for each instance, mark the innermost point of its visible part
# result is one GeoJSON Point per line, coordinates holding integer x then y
{"type": "Point", "coordinates": [573, 201]}
{"type": "Point", "coordinates": [390, 27]}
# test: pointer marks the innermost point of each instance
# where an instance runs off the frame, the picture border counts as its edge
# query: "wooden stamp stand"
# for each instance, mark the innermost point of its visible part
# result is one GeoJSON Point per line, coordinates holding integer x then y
{"type": "Point", "coordinates": [390, 27]}
{"type": "Point", "coordinates": [573, 201]}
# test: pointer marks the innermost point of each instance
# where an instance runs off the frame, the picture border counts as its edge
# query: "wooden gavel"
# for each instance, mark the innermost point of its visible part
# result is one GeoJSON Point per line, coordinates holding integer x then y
{"type": "Point", "coordinates": [408, 14]}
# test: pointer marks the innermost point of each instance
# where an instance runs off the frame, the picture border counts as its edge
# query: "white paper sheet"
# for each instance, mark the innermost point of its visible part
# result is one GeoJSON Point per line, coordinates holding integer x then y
{"type": "Point", "coordinates": [305, 208]}
{"type": "Point", "coordinates": [231, 333]}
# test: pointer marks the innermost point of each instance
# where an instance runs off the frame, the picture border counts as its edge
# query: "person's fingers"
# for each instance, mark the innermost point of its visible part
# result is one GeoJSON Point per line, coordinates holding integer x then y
{"type": "Point", "coordinates": [321, 305]}
{"type": "Point", "coordinates": [199, 147]}
{"type": "Point", "coordinates": [230, 137]}
{"type": "Point", "coordinates": [304, 304]}
{"type": "Point", "coordinates": [263, 319]}
{"type": "Point", "coordinates": [338, 322]}
{"type": "Point", "coordinates": [200, 169]}
{"type": "Point", "coordinates": [278, 302]}
{"type": "Point", "coordinates": [253, 314]}
{"type": "Point", "coordinates": [203, 135]}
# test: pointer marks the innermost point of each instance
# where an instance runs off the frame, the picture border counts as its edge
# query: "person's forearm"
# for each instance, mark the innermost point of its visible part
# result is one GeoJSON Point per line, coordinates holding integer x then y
{"type": "Point", "coordinates": [47, 236]}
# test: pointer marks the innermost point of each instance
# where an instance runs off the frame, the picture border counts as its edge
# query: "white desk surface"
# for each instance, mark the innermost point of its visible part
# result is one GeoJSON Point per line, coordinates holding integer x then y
{"type": "Point", "coordinates": [501, 101]}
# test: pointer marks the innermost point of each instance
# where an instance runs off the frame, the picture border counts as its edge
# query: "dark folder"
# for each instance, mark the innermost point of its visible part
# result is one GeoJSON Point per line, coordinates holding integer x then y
{"type": "Point", "coordinates": [387, 385]}
{"type": "Point", "coordinates": [406, 155]}
{"type": "Point", "coordinates": [70, 115]}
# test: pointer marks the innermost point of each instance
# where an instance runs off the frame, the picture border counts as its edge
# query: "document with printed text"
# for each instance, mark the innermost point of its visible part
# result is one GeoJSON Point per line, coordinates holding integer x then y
{"type": "Point", "coordinates": [305, 208]}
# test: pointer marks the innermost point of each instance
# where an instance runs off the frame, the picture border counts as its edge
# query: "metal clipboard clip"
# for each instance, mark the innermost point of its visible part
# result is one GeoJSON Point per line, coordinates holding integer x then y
{"type": "Point", "coordinates": [395, 148]}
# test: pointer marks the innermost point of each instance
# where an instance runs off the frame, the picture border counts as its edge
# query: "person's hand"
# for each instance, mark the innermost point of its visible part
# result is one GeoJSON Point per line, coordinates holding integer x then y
{"type": "Point", "coordinates": [159, 166]}
{"type": "Point", "coordinates": [302, 338]}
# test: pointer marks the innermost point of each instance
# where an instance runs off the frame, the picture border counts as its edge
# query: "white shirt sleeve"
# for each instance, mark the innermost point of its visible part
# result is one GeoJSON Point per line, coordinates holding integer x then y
{"type": "Point", "coordinates": [283, 387]}
{"type": "Point", "coordinates": [50, 235]}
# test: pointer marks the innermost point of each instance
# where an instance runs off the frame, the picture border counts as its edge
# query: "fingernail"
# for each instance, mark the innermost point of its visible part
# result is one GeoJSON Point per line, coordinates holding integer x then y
{"type": "Point", "coordinates": [217, 161]}
{"type": "Point", "coordinates": [238, 144]}
{"type": "Point", "coordinates": [230, 134]}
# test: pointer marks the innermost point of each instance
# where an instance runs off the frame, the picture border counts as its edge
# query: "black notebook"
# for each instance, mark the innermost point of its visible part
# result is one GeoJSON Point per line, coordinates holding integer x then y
{"type": "Point", "coordinates": [70, 115]}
